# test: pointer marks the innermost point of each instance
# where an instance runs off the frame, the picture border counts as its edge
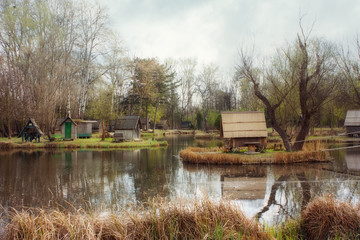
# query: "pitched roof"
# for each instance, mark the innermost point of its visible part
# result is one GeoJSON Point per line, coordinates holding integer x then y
{"type": "Point", "coordinates": [68, 118]}
{"type": "Point", "coordinates": [243, 124]}
{"type": "Point", "coordinates": [127, 123]}
{"type": "Point", "coordinates": [352, 118]}
{"type": "Point", "coordinates": [34, 124]}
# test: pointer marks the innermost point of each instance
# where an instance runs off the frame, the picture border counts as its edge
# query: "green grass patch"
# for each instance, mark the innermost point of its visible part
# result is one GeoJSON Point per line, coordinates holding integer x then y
{"type": "Point", "coordinates": [15, 143]}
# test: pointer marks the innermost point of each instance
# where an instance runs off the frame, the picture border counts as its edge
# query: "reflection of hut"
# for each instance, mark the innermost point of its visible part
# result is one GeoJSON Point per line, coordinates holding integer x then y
{"type": "Point", "coordinates": [248, 183]}
{"type": "Point", "coordinates": [243, 128]}
{"type": "Point", "coordinates": [186, 125]}
{"type": "Point", "coordinates": [68, 129]}
{"type": "Point", "coordinates": [352, 123]}
{"type": "Point", "coordinates": [352, 158]}
{"type": "Point", "coordinates": [129, 126]}
{"type": "Point", "coordinates": [84, 128]}
{"type": "Point", "coordinates": [31, 132]}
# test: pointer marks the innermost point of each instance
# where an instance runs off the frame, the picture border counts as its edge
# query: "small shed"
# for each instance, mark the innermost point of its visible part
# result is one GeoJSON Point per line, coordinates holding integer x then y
{"type": "Point", "coordinates": [186, 125]}
{"type": "Point", "coordinates": [68, 129]}
{"type": "Point", "coordinates": [84, 128]}
{"type": "Point", "coordinates": [31, 132]}
{"type": "Point", "coordinates": [162, 124]}
{"type": "Point", "coordinates": [143, 122]}
{"type": "Point", "coordinates": [129, 126]}
{"type": "Point", "coordinates": [241, 129]}
{"type": "Point", "coordinates": [352, 123]}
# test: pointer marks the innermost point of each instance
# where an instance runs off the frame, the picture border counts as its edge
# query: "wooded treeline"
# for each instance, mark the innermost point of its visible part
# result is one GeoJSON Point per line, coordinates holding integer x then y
{"type": "Point", "coordinates": [61, 57]}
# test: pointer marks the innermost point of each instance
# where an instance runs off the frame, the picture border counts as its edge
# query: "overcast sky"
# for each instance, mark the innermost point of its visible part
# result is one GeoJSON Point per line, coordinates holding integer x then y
{"type": "Point", "coordinates": [212, 31]}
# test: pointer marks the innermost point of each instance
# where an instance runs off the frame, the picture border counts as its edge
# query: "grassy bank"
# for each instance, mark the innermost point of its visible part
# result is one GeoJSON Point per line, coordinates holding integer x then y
{"type": "Point", "coordinates": [15, 143]}
{"type": "Point", "coordinates": [218, 157]}
{"type": "Point", "coordinates": [323, 218]}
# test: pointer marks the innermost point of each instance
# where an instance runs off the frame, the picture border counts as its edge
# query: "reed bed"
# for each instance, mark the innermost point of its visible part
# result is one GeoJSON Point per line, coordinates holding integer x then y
{"type": "Point", "coordinates": [214, 156]}
{"type": "Point", "coordinates": [159, 219]}
{"type": "Point", "coordinates": [327, 218]}
{"type": "Point", "coordinates": [323, 218]}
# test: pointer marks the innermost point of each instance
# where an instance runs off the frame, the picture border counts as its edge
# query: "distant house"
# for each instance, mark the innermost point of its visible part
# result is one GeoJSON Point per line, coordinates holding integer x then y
{"type": "Point", "coordinates": [162, 124]}
{"type": "Point", "coordinates": [186, 125]}
{"type": "Point", "coordinates": [143, 122]}
{"type": "Point", "coordinates": [31, 132]}
{"type": "Point", "coordinates": [352, 123]}
{"type": "Point", "coordinates": [68, 129]}
{"type": "Point", "coordinates": [129, 126]}
{"type": "Point", "coordinates": [243, 129]}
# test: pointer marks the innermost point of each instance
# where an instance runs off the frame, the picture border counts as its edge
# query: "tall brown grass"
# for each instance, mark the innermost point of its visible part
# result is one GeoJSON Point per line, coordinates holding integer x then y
{"type": "Point", "coordinates": [323, 218]}
{"type": "Point", "coordinates": [327, 218]}
{"type": "Point", "coordinates": [209, 156]}
{"type": "Point", "coordinates": [159, 219]}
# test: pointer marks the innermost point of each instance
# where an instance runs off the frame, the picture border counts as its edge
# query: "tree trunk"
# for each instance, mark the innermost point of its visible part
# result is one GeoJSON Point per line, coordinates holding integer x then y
{"type": "Point", "coordinates": [156, 109]}
{"type": "Point", "coordinates": [147, 114]}
{"type": "Point", "coordinates": [304, 130]}
{"type": "Point", "coordinates": [103, 130]}
{"type": "Point", "coordinates": [9, 128]}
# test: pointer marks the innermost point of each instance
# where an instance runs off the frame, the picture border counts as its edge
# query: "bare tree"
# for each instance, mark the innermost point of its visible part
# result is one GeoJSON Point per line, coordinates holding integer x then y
{"type": "Point", "coordinates": [294, 86]}
{"type": "Point", "coordinates": [92, 27]}
{"type": "Point", "coordinates": [349, 63]}
{"type": "Point", "coordinates": [187, 76]}
{"type": "Point", "coordinates": [206, 87]}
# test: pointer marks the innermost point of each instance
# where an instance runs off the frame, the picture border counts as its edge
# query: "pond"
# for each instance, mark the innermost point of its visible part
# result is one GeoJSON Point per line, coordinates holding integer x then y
{"type": "Point", "coordinates": [105, 180]}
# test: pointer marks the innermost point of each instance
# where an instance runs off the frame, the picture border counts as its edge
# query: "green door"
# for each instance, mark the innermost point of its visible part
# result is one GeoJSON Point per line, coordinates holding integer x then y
{"type": "Point", "coordinates": [68, 130]}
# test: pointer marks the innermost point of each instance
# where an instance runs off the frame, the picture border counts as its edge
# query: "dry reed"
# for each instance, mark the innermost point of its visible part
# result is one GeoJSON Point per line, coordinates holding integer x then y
{"type": "Point", "coordinates": [327, 218]}
{"type": "Point", "coordinates": [160, 219]}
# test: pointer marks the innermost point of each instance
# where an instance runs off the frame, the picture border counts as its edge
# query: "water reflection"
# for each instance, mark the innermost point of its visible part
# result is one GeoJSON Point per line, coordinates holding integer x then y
{"type": "Point", "coordinates": [113, 179]}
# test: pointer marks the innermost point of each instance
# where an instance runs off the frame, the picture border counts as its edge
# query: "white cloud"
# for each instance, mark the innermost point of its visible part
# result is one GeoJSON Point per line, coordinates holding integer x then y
{"type": "Point", "coordinates": [213, 31]}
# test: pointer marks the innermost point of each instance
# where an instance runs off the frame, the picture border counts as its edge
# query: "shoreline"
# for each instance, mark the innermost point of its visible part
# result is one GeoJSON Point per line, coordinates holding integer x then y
{"type": "Point", "coordinates": [92, 143]}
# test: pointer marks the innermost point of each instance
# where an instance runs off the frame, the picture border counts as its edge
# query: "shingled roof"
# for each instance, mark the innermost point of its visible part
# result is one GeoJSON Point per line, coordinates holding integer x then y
{"type": "Point", "coordinates": [127, 123]}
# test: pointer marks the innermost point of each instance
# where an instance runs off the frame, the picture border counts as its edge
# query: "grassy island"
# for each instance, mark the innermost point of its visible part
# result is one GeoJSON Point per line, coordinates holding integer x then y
{"type": "Point", "coordinates": [323, 218]}
{"type": "Point", "coordinates": [219, 157]}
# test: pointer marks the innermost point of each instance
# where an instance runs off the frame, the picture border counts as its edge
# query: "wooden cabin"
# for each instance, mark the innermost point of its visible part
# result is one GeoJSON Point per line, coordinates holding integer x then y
{"type": "Point", "coordinates": [84, 128]}
{"type": "Point", "coordinates": [129, 126]}
{"type": "Point", "coordinates": [186, 125]}
{"type": "Point", "coordinates": [352, 123]}
{"type": "Point", "coordinates": [31, 132]}
{"type": "Point", "coordinates": [143, 122]}
{"type": "Point", "coordinates": [162, 124]}
{"type": "Point", "coordinates": [244, 129]}
{"type": "Point", "coordinates": [68, 129]}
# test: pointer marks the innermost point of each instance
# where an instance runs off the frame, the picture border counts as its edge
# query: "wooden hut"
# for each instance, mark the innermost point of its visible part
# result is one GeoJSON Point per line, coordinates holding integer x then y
{"type": "Point", "coordinates": [129, 126]}
{"type": "Point", "coordinates": [186, 125]}
{"type": "Point", "coordinates": [144, 125]}
{"type": "Point", "coordinates": [84, 128]}
{"type": "Point", "coordinates": [241, 129]}
{"type": "Point", "coordinates": [352, 123]}
{"type": "Point", "coordinates": [162, 124]}
{"type": "Point", "coordinates": [68, 129]}
{"type": "Point", "coordinates": [31, 132]}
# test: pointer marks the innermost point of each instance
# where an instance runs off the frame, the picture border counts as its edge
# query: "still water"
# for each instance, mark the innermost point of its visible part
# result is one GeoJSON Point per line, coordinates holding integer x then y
{"type": "Point", "coordinates": [114, 179]}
